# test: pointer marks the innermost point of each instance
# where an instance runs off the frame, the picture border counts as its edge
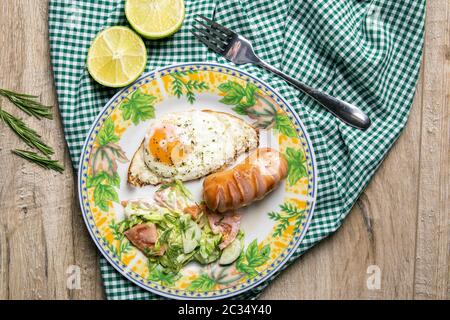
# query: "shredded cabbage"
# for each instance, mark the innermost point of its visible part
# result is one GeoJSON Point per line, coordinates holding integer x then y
{"type": "Point", "coordinates": [182, 238]}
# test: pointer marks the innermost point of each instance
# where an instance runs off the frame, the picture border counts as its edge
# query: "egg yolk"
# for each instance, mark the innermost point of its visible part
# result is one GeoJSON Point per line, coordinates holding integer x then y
{"type": "Point", "coordinates": [165, 146]}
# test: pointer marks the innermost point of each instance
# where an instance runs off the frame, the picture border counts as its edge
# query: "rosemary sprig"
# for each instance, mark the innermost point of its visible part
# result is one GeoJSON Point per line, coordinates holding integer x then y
{"type": "Point", "coordinates": [39, 160]}
{"type": "Point", "coordinates": [31, 137]}
{"type": "Point", "coordinates": [28, 104]}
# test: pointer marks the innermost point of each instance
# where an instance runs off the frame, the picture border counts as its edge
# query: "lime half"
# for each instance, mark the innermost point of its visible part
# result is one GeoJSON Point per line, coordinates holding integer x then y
{"type": "Point", "coordinates": [155, 19]}
{"type": "Point", "coordinates": [117, 57]}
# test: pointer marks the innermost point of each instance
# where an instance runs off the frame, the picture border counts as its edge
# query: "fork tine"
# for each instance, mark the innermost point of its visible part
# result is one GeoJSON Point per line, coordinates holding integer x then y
{"type": "Point", "coordinates": [215, 31]}
{"type": "Point", "coordinates": [210, 37]}
{"type": "Point", "coordinates": [208, 43]}
{"type": "Point", "coordinates": [217, 26]}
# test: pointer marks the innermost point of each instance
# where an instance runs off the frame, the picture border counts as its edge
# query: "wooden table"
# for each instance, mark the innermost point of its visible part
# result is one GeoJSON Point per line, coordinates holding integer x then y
{"type": "Point", "coordinates": [400, 224]}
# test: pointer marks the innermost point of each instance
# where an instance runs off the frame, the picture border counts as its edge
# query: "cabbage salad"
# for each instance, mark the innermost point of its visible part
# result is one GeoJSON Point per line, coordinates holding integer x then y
{"type": "Point", "coordinates": [172, 230]}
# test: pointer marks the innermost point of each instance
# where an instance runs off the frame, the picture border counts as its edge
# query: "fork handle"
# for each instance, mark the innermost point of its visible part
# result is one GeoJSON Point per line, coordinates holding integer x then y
{"type": "Point", "coordinates": [345, 111]}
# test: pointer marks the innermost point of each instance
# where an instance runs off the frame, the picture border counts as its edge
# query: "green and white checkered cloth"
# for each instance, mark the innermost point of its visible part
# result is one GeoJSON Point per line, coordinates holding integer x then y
{"type": "Point", "coordinates": [365, 52]}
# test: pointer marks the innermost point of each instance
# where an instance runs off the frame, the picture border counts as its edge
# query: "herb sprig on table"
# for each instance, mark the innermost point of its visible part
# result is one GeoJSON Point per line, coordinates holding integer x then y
{"type": "Point", "coordinates": [39, 160]}
{"type": "Point", "coordinates": [29, 136]}
{"type": "Point", "coordinates": [28, 104]}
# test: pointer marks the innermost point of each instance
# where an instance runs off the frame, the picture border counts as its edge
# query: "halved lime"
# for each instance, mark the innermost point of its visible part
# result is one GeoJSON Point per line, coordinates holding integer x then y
{"type": "Point", "coordinates": [117, 57]}
{"type": "Point", "coordinates": [155, 19]}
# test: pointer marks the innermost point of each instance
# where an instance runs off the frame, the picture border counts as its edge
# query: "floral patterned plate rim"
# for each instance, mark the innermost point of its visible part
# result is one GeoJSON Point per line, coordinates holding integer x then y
{"type": "Point", "coordinates": [274, 227]}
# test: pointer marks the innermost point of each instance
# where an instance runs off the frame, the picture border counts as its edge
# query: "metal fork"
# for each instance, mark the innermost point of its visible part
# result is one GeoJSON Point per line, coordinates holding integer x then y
{"type": "Point", "coordinates": [239, 50]}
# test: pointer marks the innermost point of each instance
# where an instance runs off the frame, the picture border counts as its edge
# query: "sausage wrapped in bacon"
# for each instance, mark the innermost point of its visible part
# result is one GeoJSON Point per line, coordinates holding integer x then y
{"type": "Point", "coordinates": [249, 181]}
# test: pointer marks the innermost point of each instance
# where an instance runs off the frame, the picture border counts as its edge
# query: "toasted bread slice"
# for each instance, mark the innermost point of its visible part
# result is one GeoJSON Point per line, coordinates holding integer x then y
{"type": "Point", "coordinates": [139, 174]}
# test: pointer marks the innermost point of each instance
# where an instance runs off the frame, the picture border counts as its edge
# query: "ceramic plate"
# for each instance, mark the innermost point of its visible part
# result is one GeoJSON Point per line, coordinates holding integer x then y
{"type": "Point", "coordinates": [274, 227]}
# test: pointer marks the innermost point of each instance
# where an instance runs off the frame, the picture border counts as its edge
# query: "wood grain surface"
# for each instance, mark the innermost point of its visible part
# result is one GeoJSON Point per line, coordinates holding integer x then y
{"type": "Point", "coordinates": [400, 225]}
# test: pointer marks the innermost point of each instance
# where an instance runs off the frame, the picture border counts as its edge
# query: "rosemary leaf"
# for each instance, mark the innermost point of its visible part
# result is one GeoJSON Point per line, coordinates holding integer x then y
{"type": "Point", "coordinates": [25, 133]}
{"type": "Point", "coordinates": [28, 104]}
{"type": "Point", "coordinates": [39, 160]}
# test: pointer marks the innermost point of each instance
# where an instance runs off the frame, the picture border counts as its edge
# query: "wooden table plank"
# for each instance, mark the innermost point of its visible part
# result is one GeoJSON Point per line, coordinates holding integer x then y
{"type": "Point", "coordinates": [42, 232]}
{"type": "Point", "coordinates": [433, 232]}
{"type": "Point", "coordinates": [400, 224]}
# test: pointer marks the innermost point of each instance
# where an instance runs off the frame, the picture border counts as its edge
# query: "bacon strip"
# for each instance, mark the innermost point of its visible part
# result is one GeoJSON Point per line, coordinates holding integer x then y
{"type": "Point", "coordinates": [194, 211]}
{"type": "Point", "coordinates": [227, 224]}
{"type": "Point", "coordinates": [142, 236]}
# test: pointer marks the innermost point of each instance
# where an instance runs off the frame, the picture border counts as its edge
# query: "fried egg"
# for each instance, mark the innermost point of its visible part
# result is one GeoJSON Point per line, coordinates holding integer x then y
{"type": "Point", "coordinates": [189, 145]}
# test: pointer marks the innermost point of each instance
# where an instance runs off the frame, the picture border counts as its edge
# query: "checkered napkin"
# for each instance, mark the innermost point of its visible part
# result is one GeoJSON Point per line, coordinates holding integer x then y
{"type": "Point", "coordinates": [365, 52]}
